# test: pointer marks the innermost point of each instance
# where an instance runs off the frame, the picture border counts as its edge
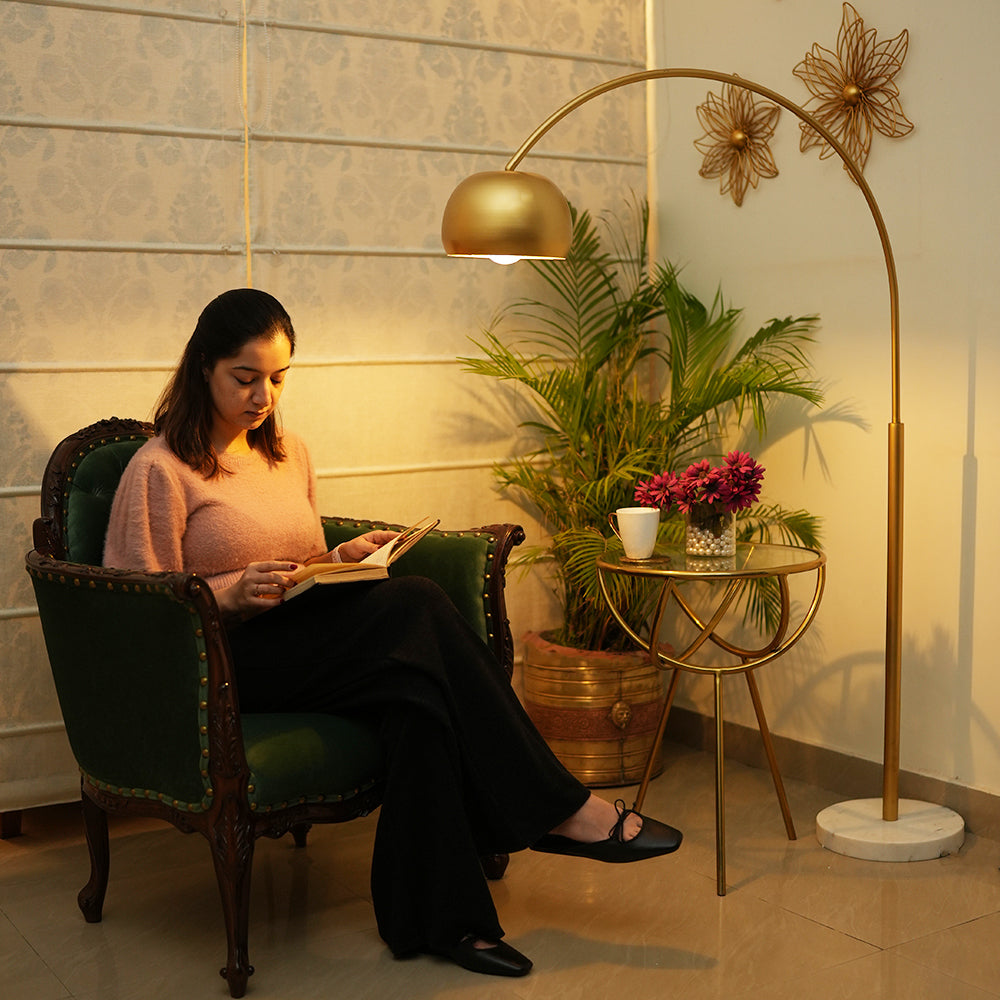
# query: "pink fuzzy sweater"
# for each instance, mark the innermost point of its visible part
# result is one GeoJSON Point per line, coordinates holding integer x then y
{"type": "Point", "coordinates": [166, 516]}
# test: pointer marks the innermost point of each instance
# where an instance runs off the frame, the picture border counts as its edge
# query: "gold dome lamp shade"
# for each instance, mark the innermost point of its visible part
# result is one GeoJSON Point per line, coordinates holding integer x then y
{"type": "Point", "coordinates": [507, 215]}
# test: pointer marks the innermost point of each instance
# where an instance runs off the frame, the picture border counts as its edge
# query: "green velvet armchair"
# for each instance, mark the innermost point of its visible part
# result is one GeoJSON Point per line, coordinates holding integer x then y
{"type": "Point", "coordinates": [146, 685]}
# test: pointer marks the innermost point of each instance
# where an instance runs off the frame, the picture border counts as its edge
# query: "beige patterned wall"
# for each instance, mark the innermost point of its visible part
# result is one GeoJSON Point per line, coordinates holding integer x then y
{"type": "Point", "coordinates": [121, 214]}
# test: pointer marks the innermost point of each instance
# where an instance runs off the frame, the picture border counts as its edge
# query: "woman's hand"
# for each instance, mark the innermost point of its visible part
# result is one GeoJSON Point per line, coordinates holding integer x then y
{"type": "Point", "coordinates": [261, 587]}
{"type": "Point", "coordinates": [357, 548]}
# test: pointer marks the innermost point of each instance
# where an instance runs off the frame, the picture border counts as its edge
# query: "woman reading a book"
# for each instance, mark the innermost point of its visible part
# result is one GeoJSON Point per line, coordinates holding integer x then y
{"type": "Point", "coordinates": [221, 491]}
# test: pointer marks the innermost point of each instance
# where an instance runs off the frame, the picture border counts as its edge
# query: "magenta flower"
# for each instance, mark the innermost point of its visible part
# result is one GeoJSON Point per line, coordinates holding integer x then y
{"type": "Point", "coordinates": [742, 477]}
{"type": "Point", "coordinates": [734, 485]}
{"type": "Point", "coordinates": [656, 492]}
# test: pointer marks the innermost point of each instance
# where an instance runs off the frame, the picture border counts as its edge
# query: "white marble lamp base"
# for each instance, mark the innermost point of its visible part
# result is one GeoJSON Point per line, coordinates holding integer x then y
{"type": "Point", "coordinates": [922, 832]}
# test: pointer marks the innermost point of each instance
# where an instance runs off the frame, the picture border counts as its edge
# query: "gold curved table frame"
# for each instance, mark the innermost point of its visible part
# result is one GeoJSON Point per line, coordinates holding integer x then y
{"type": "Point", "coordinates": [671, 567]}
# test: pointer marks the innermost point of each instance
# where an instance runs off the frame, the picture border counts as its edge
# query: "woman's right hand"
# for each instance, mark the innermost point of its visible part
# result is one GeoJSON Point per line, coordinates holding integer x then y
{"type": "Point", "coordinates": [355, 549]}
{"type": "Point", "coordinates": [260, 588]}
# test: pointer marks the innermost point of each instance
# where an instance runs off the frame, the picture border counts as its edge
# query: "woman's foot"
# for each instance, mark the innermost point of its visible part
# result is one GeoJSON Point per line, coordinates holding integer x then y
{"type": "Point", "coordinates": [622, 843]}
{"type": "Point", "coordinates": [489, 958]}
{"type": "Point", "coordinates": [597, 819]}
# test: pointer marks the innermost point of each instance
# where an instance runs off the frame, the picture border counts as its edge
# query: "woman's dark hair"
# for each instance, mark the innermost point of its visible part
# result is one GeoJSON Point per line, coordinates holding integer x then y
{"type": "Point", "coordinates": [184, 411]}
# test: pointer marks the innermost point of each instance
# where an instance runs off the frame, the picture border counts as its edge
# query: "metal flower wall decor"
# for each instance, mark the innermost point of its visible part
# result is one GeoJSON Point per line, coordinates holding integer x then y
{"type": "Point", "coordinates": [853, 95]}
{"type": "Point", "coordinates": [738, 130]}
{"type": "Point", "coordinates": [853, 91]}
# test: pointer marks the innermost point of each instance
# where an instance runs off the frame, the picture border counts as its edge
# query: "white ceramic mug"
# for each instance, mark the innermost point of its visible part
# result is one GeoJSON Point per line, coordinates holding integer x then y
{"type": "Point", "coordinates": [636, 528]}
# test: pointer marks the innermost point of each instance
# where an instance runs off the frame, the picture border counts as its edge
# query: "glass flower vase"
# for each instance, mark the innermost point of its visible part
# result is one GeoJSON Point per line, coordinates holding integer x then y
{"type": "Point", "coordinates": [710, 531]}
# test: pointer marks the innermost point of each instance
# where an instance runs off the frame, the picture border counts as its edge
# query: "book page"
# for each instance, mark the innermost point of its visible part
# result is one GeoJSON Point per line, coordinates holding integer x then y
{"type": "Point", "coordinates": [404, 541]}
{"type": "Point", "coordinates": [319, 569]}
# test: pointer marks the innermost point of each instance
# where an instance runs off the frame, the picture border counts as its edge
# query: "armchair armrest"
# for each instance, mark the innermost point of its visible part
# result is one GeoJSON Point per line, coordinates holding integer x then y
{"type": "Point", "coordinates": [468, 565]}
{"type": "Point", "coordinates": [145, 652]}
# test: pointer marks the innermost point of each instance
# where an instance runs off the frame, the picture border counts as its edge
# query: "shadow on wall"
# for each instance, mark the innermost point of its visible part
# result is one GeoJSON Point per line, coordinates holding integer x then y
{"type": "Point", "coordinates": [938, 671]}
{"type": "Point", "coordinates": [965, 712]}
{"type": "Point", "coordinates": [788, 417]}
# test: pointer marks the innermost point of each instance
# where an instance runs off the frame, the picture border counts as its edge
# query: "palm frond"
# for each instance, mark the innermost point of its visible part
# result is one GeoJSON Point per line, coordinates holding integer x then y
{"type": "Point", "coordinates": [773, 523]}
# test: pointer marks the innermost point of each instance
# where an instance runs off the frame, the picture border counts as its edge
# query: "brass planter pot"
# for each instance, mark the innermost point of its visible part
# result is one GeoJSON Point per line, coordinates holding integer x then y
{"type": "Point", "coordinates": [597, 711]}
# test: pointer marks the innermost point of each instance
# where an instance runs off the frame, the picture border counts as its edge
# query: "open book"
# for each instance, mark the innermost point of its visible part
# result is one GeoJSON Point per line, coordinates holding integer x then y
{"type": "Point", "coordinates": [375, 566]}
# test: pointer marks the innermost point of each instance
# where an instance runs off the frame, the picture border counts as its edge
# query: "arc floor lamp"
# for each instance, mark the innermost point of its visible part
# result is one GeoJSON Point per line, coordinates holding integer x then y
{"type": "Point", "coordinates": [510, 214]}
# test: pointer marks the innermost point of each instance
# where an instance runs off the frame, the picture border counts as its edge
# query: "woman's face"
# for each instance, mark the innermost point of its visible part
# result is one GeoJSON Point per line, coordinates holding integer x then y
{"type": "Point", "coordinates": [245, 389]}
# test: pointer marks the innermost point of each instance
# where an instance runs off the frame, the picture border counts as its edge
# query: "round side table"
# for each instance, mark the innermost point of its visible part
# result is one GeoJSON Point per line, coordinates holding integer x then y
{"type": "Point", "coordinates": [669, 569]}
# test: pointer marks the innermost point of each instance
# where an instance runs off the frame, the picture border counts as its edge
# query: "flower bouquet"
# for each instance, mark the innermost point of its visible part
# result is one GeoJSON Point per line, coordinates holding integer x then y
{"type": "Point", "coordinates": [709, 497]}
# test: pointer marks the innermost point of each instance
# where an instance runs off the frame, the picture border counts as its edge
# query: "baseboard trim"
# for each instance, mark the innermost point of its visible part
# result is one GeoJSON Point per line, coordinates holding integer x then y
{"type": "Point", "coordinates": [851, 777]}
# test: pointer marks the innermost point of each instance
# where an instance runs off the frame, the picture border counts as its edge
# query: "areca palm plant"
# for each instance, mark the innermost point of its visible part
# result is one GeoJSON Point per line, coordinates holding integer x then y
{"type": "Point", "coordinates": [626, 373]}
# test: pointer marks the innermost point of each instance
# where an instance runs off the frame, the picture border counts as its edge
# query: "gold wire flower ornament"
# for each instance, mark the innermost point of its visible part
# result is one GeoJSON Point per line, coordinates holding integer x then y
{"type": "Point", "coordinates": [735, 144]}
{"type": "Point", "coordinates": [853, 90]}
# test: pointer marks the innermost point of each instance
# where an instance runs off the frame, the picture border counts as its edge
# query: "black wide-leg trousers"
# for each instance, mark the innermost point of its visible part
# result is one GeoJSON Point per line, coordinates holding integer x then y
{"type": "Point", "coordinates": [467, 773]}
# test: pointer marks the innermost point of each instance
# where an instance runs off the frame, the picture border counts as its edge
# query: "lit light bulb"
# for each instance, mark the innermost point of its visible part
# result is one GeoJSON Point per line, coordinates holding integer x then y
{"type": "Point", "coordinates": [504, 259]}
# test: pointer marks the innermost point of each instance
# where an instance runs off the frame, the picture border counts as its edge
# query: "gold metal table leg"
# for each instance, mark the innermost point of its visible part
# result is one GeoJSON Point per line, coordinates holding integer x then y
{"type": "Point", "coordinates": [657, 740]}
{"type": "Point", "coordinates": [765, 735]}
{"type": "Point", "coordinates": [720, 794]}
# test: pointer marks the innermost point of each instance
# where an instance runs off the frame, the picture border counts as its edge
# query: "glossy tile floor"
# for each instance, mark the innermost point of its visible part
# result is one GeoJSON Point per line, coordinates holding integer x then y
{"type": "Point", "coordinates": [797, 922]}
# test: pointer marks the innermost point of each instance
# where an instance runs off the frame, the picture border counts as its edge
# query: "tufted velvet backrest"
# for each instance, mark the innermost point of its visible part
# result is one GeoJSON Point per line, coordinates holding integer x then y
{"type": "Point", "coordinates": [79, 486]}
{"type": "Point", "coordinates": [88, 500]}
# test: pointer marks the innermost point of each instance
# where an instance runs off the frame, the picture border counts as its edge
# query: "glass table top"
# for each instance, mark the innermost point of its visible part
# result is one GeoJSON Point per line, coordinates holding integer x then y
{"type": "Point", "coordinates": [751, 559]}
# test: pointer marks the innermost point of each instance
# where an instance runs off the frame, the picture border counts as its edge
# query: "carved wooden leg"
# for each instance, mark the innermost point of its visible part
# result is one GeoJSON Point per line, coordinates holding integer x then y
{"type": "Point", "coordinates": [232, 845]}
{"type": "Point", "coordinates": [494, 865]}
{"type": "Point", "coordinates": [299, 833]}
{"type": "Point", "coordinates": [91, 896]}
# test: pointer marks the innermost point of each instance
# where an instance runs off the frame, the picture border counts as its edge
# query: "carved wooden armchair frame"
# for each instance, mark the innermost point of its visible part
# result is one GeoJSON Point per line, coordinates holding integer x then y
{"type": "Point", "coordinates": [146, 684]}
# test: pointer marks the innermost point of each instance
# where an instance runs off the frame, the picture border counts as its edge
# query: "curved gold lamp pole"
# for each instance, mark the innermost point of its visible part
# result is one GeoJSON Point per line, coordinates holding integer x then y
{"type": "Point", "coordinates": [502, 213]}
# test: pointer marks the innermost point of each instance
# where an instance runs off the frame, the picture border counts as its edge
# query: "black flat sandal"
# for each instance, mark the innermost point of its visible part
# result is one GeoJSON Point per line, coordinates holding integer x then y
{"type": "Point", "coordinates": [653, 840]}
{"type": "Point", "coordinates": [499, 959]}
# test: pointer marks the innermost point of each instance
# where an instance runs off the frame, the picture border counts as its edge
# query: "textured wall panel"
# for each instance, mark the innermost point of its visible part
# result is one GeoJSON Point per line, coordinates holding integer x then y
{"type": "Point", "coordinates": [122, 214]}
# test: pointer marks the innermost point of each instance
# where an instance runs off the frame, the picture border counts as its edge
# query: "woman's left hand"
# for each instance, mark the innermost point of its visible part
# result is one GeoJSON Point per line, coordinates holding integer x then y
{"type": "Point", "coordinates": [261, 586]}
{"type": "Point", "coordinates": [364, 545]}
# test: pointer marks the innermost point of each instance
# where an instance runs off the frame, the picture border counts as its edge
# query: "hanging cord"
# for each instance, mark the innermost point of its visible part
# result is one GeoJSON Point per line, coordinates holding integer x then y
{"type": "Point", "coordinates": [244, 107]}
